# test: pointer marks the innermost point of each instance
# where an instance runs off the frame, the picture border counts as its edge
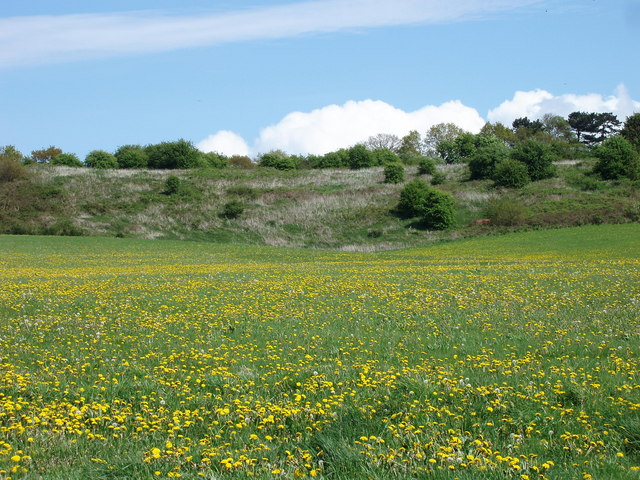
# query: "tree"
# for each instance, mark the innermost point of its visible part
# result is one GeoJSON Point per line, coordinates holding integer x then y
{"type": "Point", "coordinates": [537, 156]}
{"type": "Point", "coordinates": [488, 153]}
{"type": "Point", "coordinates": [531, 126]}
{"type": "Point", "coordinates": [101, 159]}
{"type": "Point", "coordinates": [171, 155]}
{"type": "Point", "coordinates": [617, 158]}
{"type": "Point", "coordinates": [384, 140]}
{"type": "Point", "coordinates": [460, 149]}
{"type": "Point", "coordinates": [410, 146]}
{"type": "Point", "coordinates": [359, 157]}
{"type": "Point", "coordinates": [337, 159]}
{"type": "Point", "coordinates": [67, 160]}
{"type": "Point", "coordinates": [439, 133]}
{"type": "Point", "coordinates": [500, 131]}
{"type": "Point", "coordinates": [558, 128]}
{"type": "Point", "coordinates": [45, 155]}
{"type": "Point", "coordinates": [593, 128]}
{"type": "Point", "coordinates": [631, 130]}
{"type": "Point", "coordinates": [132, 156]}
{"type": "Point", "coordinates": [394, 173]}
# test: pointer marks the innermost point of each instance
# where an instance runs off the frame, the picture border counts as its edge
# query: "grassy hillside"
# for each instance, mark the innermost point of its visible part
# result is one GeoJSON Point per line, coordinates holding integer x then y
{"type": "Point", "coordinates": [512, 356]}
{"type": "Point", "coordinates": [337, 209]}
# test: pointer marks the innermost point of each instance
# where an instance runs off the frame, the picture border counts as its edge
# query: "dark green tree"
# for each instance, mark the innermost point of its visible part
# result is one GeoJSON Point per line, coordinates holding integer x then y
{"type": "Point", "coordinates": [100, 159]}
{"type": "Point", "coordinates": [631, 130]}
{"type": "Point", "coordinates": [537, 156]}
{"type": "Point", "coordinates": [616, 159]}
{"type": "Point", "coordinates": [488, 153]}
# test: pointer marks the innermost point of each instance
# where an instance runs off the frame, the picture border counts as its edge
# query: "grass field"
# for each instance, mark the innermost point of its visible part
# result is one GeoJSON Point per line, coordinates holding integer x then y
{"type": "Point", "coordinates": [514, 356]}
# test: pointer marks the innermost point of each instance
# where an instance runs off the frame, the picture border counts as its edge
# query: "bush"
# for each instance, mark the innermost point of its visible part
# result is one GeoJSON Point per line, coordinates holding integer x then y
{"type": "Point", "coordinates": [232, 209]}
{"type": "Point", "coordinates": [394, 173]}
{"type": "Point", "coordinates": [506, 212]}
{"type": "Point", "coordinates": [172, 155]}
{"type": "Point", "coordinates": [67, 160]}
{"type": "Point", "coordinates": [277, 159]}
{"type": "Point", "coordinates": [412, 198]}
{"type": "Point", "coordinates": [132, 156]}
{"type": "Point", "coordinates": [100, 159]}
{"type": "Point", "coordinates": [511, 174]}
{"type": "Point", "coordinates": [11, 169]}
{"type": "Point", "coordinates": [438, 212]}
{"type": "Point", "coordinates": [359, 157]}
{"type": "Point", "coordinates": [215, 160]}
{"type": "Point", "coordinates": [438, 178]}
{"type": "Point", "coordinates": [241, 161]}
{"type": "Point", "coordinates": [427, 166]}
{"type": "Point", "coordinates": [172, 185]}
{"type": "Point", "coordinates": [338, 159]}
{"type": "Point", "coordinates": [384, 156]}
{"type": "Point", "coordinates": [490, 152]}
{"type": "Point", "coordinates": [616, 159]}
{"type": "Point", "coordinates": [538, 158]}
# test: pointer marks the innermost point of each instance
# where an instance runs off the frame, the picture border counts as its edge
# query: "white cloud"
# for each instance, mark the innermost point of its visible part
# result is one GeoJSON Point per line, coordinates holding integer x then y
{"type": "Point", "coordinates": [54, 38]}
{"type": "Point", "coordinates": [535, 103]}
{"type": "Point", "coordinates": [336, 126]}
{"type": "Point", "coordinates": [224, 142]}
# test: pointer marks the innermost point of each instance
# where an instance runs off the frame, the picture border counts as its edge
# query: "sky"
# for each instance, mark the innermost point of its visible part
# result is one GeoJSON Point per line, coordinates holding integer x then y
{"type": "Point", "coordinates": [249, 76]}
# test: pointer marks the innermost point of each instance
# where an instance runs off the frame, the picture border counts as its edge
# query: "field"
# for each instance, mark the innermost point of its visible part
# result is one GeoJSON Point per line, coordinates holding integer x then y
{"type": "Point", "coordinates": [514, 356]}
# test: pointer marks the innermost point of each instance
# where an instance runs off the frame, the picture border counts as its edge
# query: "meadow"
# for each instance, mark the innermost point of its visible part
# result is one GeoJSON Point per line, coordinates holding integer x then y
{"type": "Point", "coordinates": [514, 356]}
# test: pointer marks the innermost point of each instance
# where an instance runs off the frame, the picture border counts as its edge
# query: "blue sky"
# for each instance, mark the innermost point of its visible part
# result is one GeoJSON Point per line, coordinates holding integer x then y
{"type": "Point", "coordinates": [247, 76]}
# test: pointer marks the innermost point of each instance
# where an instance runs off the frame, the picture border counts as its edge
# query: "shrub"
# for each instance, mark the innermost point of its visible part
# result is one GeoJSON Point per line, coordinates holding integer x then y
{"type": "Point", "coordinates": [67, 160]}
{"type": "Point", "coordinates": [336, 159]}
{"type": "Point", "coordinates": [359, 157]}
{"type": "Point", "coordinates": [172, 185]}
{"type": "Point", "coordinates": [394, 173]}
{"type": "Point", "coordinates": [537, 156]}
{"type": "Point", "coordinates": [232, 209]}
{"type": "Point", "coordinates": [506, 212]}
{"type": "Point", "coordinates": [100, 159]}
{"type": "Point", "coordinates": [171, 155]}
{"type": "Point", "coordinates": [11, 169]}
{"type": "Point", "coordinates": [438, 210]}
{"type": "Point", "coordinates": [277, 159]}
{"type": "Point", "coordinates": [438, 178]}
{"type": "Point", "coordinates": [412, 198]}
{"type": "Point", "coordinates": [510, 173]}
{"type": "Point", "coordinates": [427, 166]}
{"type": "Point", "coordinates": [490, 152]}
{"type": "Point", "coordinates": [384, 156]}
{"type": "Point", "coordinates": [132, 156]}
{"type": "Point", "coordinates": [241, 161]}
{"type": "Point", "coordinates": [617, 158]}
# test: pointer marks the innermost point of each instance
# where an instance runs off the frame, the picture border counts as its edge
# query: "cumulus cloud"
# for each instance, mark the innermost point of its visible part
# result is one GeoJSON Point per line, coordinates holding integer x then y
{"type": "Point", "coordinates": [54, 38]}
{"type": "Point", "coordinates": [336, 126]}
{"type": "Point", "coordinates": [225, 142]}
{"type": "Point", "coordinates": [535, 103]}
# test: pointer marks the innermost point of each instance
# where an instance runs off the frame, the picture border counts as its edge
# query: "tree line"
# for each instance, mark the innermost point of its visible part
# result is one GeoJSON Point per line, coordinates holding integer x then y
{"type": "Point", "coordinates": [493, 152]}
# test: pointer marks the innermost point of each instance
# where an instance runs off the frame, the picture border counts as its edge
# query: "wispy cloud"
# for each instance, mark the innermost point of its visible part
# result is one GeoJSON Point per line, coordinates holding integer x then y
{"type": "Point", "coordinates": [49, 39]}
